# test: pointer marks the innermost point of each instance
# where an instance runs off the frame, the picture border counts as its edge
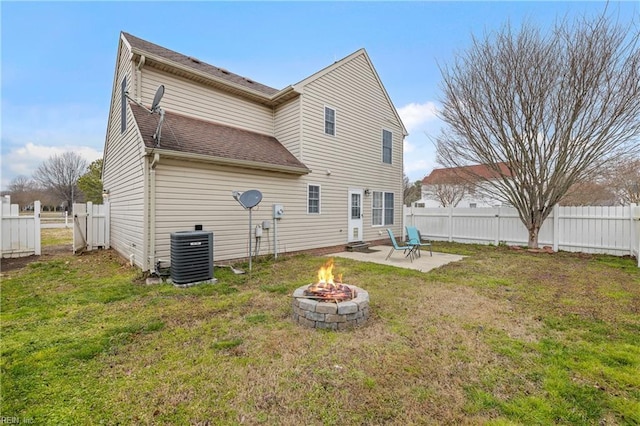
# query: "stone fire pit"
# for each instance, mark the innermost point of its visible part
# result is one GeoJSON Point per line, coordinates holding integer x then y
{"type": "Point", "coordinates": [344, 315]}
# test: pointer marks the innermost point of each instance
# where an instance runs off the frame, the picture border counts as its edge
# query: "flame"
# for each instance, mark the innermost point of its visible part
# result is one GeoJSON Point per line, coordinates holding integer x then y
{"type": "Point", "coordinates": [326, 288]}
{"type": "Point", "coordinates": [325, 273]}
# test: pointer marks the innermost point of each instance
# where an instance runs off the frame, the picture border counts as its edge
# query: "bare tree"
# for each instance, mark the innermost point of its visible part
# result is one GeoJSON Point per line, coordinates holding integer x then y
{"type": "Point", "coordinates": [23, 191]}
{"type": "Point", "coordinates": [446, 193]}
{"type": "Point", "coordinates": [555, 107]}
{"type": "Point", "coordinates": [624, 180]}
{"type": "Point", "coordinates": [590, 193]}
{"type": "Point", "coordinates": [60, 174]}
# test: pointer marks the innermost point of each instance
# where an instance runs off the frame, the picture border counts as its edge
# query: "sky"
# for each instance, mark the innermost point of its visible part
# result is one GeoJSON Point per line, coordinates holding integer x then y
{"type": "Point", "coordinates": [58, 58]}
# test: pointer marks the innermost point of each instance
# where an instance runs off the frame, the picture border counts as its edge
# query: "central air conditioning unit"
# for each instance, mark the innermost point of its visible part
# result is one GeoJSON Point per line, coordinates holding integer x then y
{"type": "Point", "coordinates": [191, 257]}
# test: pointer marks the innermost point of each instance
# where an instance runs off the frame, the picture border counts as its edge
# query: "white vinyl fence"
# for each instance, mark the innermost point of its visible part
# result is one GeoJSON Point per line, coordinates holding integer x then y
{"type": "Point", "coordinates": [607, 230]}
{"type": "Point", "coordinates": [20, 235]}
{"type": "Point", "coordinates": [90, 226]}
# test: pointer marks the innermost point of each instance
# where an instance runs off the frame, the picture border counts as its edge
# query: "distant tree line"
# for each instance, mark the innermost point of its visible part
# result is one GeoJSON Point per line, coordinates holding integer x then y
{"type": "Point", "coordinates": [57, 183]}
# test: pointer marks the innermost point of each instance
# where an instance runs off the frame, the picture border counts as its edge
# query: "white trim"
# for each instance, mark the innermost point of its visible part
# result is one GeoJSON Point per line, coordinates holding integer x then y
{"type": "Point", "coordinates": [319, 198]}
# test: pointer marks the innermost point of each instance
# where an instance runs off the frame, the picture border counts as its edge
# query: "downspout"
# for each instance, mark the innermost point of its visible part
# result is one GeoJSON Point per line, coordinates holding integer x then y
{"type": "Point", "coordinates": [152, 213]}
{"type": "Point", "coordinates": [139, 77]}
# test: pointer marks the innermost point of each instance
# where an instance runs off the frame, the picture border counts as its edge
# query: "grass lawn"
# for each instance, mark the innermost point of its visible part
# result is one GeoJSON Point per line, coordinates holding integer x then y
{"type": "Point", "coordinates": [501, 337]}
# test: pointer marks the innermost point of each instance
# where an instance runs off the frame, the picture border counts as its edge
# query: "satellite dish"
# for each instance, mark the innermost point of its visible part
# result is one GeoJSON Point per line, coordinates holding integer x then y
{"type": "Point", "coordinates": [248, 199]}
{"type": "Point", "coordinates": [157, 98]}
{"type": "Point", "coordinates": [251, 198]}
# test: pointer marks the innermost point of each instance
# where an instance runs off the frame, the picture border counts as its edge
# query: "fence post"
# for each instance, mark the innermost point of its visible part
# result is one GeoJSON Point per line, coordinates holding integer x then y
{"type": "Point", "coordinates": [90, 239]}
{"type": "Point", "coordinates": [556, 228]}
{"type": "Point", "coordinates": [107, 225]}
{"type": "Point", "coordinates": [450, 224]}
{"type": "Point", "coordinates": [36, 231]}
{"type": "Point", "coordinates": [497, 215]}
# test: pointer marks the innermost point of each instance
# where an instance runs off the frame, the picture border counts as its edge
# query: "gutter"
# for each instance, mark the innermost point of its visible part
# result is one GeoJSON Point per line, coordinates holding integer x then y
{"type": "Point", "coordinates": [228, 161]}
{"type": "Point", "coordinates": [139, 77]}
{"type": "Point", "coordinates": [152, 212]}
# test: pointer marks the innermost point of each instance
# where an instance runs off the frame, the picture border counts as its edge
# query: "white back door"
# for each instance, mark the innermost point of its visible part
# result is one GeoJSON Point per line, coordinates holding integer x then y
{"type": "Point", "coordinates": [355, 216]}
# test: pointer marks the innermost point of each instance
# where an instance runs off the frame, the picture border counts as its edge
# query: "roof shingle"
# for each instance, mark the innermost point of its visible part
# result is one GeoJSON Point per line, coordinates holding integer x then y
{"type": "Point", "coordinates": [189, 135]}
{"type": "Point", "coordinates": [196, 64]}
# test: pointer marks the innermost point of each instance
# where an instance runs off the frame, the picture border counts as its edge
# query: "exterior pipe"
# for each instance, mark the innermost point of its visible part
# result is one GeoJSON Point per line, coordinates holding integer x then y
{"type": "Point", "coordinates": [152, 213]}
{"type": "Point", "coordinates": [139, 77]}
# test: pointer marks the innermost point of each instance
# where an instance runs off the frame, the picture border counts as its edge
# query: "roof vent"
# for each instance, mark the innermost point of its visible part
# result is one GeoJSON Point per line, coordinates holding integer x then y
{"type": "Point", "coordinates": [224, 71]}
{"type": "Point", "coordinates": [196, 60]}
{"type": "Point", "coordinates": [249, 81]}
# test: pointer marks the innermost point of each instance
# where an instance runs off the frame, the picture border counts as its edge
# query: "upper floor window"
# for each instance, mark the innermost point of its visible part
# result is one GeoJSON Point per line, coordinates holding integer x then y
{"type": "Point", "coordinates": [329, 121]}
{"type": "Point", "coordinates": [387, 146]}
{"type": "Point", "coordinates": [313, 199]}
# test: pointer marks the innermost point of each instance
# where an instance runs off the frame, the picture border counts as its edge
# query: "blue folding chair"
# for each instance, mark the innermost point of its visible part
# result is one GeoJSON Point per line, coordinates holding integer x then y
{"type": "Point", "coordinates": [415, 239]}
{"type": "Point", "coordinates": [408, 251]}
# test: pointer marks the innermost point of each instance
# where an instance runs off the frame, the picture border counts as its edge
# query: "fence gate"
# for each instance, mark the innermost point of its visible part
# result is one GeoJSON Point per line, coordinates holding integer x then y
{"type": "Point", "coordinates": [19, 234]}
{"type": "Point", "coordinates": [90, 226]}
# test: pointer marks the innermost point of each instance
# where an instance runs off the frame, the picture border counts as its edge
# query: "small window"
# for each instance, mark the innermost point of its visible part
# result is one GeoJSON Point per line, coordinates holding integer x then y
{"type": "Point", "coordinates": [123, 105]}
{"type": "Point", "coordinates": [313, 199]}
{"type": "Point", "coordinates": [382, 208]}
{"type": "Point", "coordinates": [387, 146]}
{"type": "Point", "coordinates": [329, 121]}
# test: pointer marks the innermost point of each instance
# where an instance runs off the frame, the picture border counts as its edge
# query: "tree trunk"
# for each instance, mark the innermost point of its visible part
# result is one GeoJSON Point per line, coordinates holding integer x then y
{"type": "Point", "coordinates": [533, 236]}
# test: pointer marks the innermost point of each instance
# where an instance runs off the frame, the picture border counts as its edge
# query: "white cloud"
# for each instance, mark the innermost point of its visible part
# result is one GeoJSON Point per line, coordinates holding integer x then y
{"type": "Point", "coordinates": [33, 133]}
{"type": "Point", "coordinates": [25, 160]}
{"type": "Point", "coordinates": [421, 120]}
{"type": "Point", "coordinates": [415, 115]}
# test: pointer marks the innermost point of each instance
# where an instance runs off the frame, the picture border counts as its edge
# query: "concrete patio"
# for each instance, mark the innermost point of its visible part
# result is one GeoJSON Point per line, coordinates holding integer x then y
{"type": "Point", "coordinates": [377, 254]}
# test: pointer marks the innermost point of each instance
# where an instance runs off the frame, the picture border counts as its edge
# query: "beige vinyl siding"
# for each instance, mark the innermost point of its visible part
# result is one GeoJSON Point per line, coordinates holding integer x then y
{"type": "Point", "coordinates": [287, 126]}
{"type": "Point", "coordinates": [192, 193]}
{"type": "Point", "coordinates": [354, 155]}
{"type": "Point", "coordinates": [199, 101]}
{"type": "Point", "coordinates": [124, 175]}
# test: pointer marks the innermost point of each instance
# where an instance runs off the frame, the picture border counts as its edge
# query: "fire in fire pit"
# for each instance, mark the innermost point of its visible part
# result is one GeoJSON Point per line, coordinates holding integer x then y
{"type": "Point", "coordinates": [327, 289]}
{"type": "Point", "coordinates": [329, 303]}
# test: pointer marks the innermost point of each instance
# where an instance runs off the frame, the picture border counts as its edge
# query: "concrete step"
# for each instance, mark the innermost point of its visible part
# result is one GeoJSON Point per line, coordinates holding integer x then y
{"type": "Point", "coordinates": [358, 246]}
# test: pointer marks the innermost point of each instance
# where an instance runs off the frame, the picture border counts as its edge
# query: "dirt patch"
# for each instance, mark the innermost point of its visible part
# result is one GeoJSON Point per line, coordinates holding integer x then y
{"type": "Point", "coordinates": [48, 253]}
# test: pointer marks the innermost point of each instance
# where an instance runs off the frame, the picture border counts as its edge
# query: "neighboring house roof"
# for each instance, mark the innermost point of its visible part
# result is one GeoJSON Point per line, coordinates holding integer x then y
{"type": "Point", "coordinates": [142, 46]}
{"type": "Point", "coordinates": [192, 138]}
{"type": "Point", "coordinates": [475, 173]}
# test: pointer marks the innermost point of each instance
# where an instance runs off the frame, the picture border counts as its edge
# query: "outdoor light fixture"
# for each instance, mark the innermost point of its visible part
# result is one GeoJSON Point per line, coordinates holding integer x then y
{"type": "Point", "coordinates": [367, 192]}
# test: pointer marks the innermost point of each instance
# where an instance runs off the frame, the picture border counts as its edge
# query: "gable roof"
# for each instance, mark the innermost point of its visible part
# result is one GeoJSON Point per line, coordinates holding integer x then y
{"type": "Point", "coordinates": [188, 137]}
{"type": "Point", "coordinates": [141, 46]}
{"type": "Point", "coordinates": [361, 52]}
{"type": "Point", "coordinates": [474, 173]}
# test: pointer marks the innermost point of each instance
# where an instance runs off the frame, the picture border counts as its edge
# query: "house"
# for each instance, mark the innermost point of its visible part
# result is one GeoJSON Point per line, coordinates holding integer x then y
{"type": "Point", "coordinates": [328, 149]}
{"type": "Point", "coordinates": [462, 187]}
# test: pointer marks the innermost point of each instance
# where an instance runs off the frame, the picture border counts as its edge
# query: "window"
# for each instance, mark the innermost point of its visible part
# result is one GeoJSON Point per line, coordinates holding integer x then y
{"type": "Point", "coordinates": [313, 199]}
{"type": "Point", "coordinates": [382, 208]}
{"type": "Point", "coordinates": [387, 146]}
{"type": "Point", "coordinates": [123, 105]}
{"type": "Point", "coordinates": [329, 121]}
